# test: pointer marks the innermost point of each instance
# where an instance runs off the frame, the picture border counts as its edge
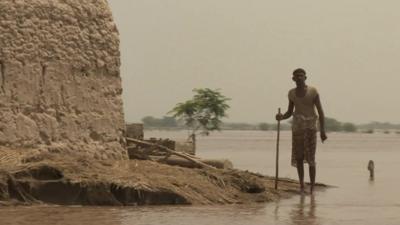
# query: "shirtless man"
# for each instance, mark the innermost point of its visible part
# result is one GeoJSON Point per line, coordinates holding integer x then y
{"type": "Point", "coordinates": [303, 100]}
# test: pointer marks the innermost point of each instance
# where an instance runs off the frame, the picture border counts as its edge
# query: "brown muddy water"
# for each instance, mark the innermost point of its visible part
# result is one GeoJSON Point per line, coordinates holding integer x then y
{"type": "Point", "coordinates": [342, 162]}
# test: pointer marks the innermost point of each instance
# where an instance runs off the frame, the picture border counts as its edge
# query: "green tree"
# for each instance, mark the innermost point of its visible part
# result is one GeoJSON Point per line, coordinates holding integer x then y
{"type": "Point", "coordinates": [203, 113]}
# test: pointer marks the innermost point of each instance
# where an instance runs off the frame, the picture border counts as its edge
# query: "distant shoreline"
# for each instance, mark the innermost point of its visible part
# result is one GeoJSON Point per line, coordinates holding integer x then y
{"type": "Point", "coordinates": [366, 131]}
{"type": "Point", "coordinates": [331, 125]}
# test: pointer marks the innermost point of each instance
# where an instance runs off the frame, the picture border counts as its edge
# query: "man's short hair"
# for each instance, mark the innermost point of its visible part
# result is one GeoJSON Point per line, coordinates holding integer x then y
{"type": "Point", "coordinates": [299, 70]}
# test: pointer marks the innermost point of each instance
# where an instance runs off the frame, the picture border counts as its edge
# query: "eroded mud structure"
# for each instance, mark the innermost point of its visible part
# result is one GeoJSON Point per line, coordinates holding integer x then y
{"type": "Point", "coordinates": [60, 87]}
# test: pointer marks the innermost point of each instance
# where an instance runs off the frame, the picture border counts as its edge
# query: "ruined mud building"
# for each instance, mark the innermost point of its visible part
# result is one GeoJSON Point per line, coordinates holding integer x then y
{"type": "Point", "coordinates": [60, 85]}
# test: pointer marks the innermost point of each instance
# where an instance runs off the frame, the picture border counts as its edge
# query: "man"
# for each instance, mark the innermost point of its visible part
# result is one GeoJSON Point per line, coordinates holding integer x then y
{"type": "Point", "coordinates": [303, 100]}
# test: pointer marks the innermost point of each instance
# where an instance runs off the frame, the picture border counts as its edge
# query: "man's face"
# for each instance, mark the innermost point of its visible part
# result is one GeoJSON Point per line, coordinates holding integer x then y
{"type": "Point", "coordinates": [299, 77]}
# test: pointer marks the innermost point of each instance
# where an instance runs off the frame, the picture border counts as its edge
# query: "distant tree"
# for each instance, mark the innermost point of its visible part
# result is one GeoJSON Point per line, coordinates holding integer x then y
{"type": "Point", "coordinates": [380, 126]}
{"type": "Point", "coordinates": [370, 131]}
{"type": "Point", "coordinates": [165, 122]}
{"type": "Point", "coordinates": [238, 126]}
{"type": "Point", "coordinates": [349, 127]}
{"type": "Point", "coordinates": [169, 121]}
{"type": "Point", "coordinates": [283, 126]}
{"type": "Point", "coordinates": [332, 124]}
{"type": "Point", "coordinates": [203, 113]}
{"type": "Point", "coordinates": [264, 126]}
{"type": "Point", "coordinates": [149, 121]}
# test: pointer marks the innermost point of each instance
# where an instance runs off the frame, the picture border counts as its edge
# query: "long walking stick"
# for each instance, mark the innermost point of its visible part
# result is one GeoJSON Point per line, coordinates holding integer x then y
{"type": "Point", "coordinates": [277, 152]}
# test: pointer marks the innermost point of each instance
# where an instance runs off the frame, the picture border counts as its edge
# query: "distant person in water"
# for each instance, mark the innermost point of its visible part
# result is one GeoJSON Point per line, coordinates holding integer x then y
{"type": "Point", "coordinates": [303, 100]}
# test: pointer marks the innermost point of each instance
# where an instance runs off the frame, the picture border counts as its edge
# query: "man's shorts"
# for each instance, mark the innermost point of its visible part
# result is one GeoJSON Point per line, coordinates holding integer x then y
{"type": "Point", "coordinates": [304, 144]}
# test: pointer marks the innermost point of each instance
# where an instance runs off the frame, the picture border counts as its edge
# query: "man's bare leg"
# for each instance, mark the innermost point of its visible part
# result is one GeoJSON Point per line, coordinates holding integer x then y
{"type": "Point", "coordinates": [312, 171]}
{"type": "Point", "coordinates": [300, 172]}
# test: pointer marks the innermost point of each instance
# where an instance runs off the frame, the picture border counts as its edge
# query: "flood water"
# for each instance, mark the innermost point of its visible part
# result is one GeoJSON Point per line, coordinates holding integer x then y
{"type": "Point", "coordinates": [342, 162]}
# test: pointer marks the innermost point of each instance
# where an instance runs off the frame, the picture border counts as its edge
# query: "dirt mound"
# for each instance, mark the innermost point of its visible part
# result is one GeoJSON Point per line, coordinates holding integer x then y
{"type": "Point", "coordinates": [73, 179]}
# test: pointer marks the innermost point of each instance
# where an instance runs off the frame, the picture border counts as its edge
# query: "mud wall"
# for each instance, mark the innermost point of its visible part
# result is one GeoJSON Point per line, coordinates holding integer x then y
{"type": "Point", "coordinates": [60, 87]}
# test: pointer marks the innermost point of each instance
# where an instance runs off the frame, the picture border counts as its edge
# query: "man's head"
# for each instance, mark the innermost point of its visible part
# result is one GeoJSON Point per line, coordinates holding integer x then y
{"type": "Point", "coordinates": [299, 76]}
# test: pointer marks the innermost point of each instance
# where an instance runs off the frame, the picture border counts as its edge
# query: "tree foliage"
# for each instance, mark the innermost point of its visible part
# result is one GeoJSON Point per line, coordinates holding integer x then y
{"type": "Point", "coordinates": [165, 122]}
{"type": "Point", "coordinates": [332, 124]}
{"type": "Point", "coordinates": [264, 126]}
{"type": "Point", "coordinates": [202, 113]}
{"type": "Point", "coordinates": [349, 127]}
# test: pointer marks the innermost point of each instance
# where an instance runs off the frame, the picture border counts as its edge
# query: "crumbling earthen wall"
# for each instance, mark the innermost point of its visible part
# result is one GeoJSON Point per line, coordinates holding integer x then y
{"type": "Point", "coordinates": [60, 87]}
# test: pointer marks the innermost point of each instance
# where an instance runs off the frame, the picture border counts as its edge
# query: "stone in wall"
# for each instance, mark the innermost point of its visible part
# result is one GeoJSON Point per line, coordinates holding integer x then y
{"type": "Point", "coordinates": [60, 87]}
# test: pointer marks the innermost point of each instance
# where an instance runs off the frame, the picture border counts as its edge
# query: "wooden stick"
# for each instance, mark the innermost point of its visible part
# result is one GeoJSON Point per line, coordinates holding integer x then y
{"type": "Point", "coordinates": [172, 152]}
{"type": "Point", "coordinates": [277, 152]}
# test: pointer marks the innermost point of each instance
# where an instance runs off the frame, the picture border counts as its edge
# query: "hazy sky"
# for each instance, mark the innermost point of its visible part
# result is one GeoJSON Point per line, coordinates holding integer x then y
{"type": "Point", "coordinates": [248, 49]}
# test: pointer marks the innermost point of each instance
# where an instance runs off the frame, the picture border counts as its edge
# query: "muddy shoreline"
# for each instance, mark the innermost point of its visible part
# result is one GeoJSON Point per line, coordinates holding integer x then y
{"type": "Point", "coordinates": [73, 179]}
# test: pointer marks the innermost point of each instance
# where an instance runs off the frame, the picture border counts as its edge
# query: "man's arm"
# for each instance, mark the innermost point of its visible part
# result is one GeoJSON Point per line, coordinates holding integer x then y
{"type": "Point", "coordinates": [321, 118]}
{"type": "Point", "coordinates": [287, 114]}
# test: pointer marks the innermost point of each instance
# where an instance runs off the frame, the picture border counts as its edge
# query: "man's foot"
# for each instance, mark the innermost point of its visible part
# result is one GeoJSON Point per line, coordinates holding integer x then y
{"type": "Point", "coordinates": [302, 190]}
{"type": "Point", "coordinates": [312, 189]}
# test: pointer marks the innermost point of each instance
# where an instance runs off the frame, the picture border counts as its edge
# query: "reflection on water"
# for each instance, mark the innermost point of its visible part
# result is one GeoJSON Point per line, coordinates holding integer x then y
{"type": "Point", "coordinates": [341, 162]}
{"type": "Point", "coordinates": [303, 213]}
